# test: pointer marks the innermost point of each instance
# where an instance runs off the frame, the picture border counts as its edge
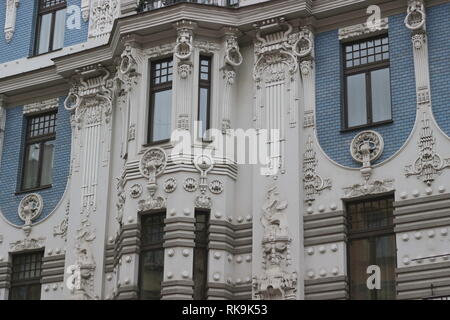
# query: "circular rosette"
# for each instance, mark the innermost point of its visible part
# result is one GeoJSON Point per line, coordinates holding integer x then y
{"type": "Point", "coordinates": [153, 162]}
{"type": "Point", "coordinates": [30, 207]}
{"type": "Point", "coordinates": [367, 146]}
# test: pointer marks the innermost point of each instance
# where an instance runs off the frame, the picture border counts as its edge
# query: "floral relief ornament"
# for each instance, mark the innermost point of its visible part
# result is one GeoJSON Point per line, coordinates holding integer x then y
{"type": "Point", "coordinates": [429, 163]}
{"type": "Point", "coordinates": [152, 165]}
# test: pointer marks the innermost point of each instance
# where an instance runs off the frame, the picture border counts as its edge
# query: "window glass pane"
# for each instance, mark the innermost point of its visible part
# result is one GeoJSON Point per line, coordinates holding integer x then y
{"type": "Point", "coordinates": [47, 163]}
{"type": "Point", "coordinates": [60, 26]}
{"type": "Point", "coordinates": [152, 268]}
{"type": "Point", "coordinates": [162, 115]}
{"type": "Point", "coordinates": [31, 168]}
{"type": "Point", "coordinates": [386, 259]}
{"type": "Point", "coordinates": [381, 95]}
{"type": "Point", "coordinates": [359, 260]}
{"type": "Point", "coordinates": [356, 100]}
{"type": "Point", "coordinates": [203, 111]}
{"type": "Point", "coordinates": [44, 33]}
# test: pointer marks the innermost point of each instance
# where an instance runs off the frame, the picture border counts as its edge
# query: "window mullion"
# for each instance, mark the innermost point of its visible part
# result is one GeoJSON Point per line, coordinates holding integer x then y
{"type": "Point", "coordinates": [369, 97]}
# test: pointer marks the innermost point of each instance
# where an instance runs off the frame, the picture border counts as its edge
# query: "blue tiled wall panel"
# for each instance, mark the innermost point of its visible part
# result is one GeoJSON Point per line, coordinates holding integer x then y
{"type": "Point", "coordinates": [328, 92]}
{"type": "Point", "coordinates": [438, 29]}
{"type": "Point", "coordinates": [22, 43]}
{"type": "Point", "coordinates": [10, 169]}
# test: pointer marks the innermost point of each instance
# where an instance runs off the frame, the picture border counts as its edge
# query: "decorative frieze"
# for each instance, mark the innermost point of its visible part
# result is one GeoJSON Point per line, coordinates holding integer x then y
{"type": "Point", "coordinates": [204, 164]}
{"type": "Point", "coordinates": [27, 244]}
{"type": "Point", "coordinates": [313, 183]}
{"type": "Point", "coordinates": [41, 106]}
{"type": "Point", "coordinates": [362, 30]}
{"type": "Point", "coordinates": [429, 163]}
{"type": "Point", "coordinates": [10, 18]}
{"type": "Point", "coordinates": [276, 282]}
{"type": "Point", "coordinates": [369, 188]}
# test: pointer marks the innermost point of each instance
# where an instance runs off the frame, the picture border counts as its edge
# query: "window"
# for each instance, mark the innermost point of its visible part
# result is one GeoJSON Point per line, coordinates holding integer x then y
{"type": "Point", "coordinates": [152, 256]}
{"type": "Point", "coordinates": [367, 83]}
{"type": "Point", "coordinates": [204, 96]}
{"type": "Point", "coordinates": [201, 255]}
{"type": "Point", "coordinates": [39, 150]}
{"type": "Point", "coordinates": [161, 101]}
{"type": "Point", "coordinates": [51, 24]}
{"type": "Point", "coordinates": [26, 276]}
{"type": "Point", "coordinates": [371, 242]}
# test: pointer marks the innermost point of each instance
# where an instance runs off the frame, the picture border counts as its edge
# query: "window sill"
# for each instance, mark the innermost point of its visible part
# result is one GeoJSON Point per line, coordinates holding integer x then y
{"type": "Point", "coordinates": [367, 126]}
{"type": "Point", "coordinates": [33, 190]}
{"type": "Point", "coordinates": [44, 53]}
{"type": "Point", "coordinates": [161, 143]}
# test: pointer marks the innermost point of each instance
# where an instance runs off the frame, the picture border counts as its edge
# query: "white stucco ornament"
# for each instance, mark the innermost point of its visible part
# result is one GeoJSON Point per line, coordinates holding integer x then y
{"type": "Point", "coordinates": [152, 165]}
{"type": "Point", "coordinates": [277, 282]}
{"type": "Point", "coordinates": [415, 18]}
{"type": "Point", "coordinates": [30, 207]}
{"type": "Point", "coordinates": [367, 147]}
{"type": "Point", "coordinates": [10, 19]}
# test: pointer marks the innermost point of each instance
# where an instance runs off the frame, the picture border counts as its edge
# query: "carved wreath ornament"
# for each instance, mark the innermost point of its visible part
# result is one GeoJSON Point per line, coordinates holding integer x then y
{"type": "Point", "coordinates": [30, 207]}
{"type": "Point", "coordinates": [153, 162]}
{"type": "Point", "coordinates": [367, 147]}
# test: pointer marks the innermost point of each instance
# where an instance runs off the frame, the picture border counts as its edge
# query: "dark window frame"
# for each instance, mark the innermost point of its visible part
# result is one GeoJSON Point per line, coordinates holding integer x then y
{"type": "Point", "coordinates": [366, 69]}
{"type": "Point", "coordinates": [205, 84]}
{"type": "Point", "coordinates": [371, 234]}
{"type": "Point", "coordinates": [41, 11]}
{"type": "Point", "coordinates": [155, 88]}
{"type": "Point", "coordinates": [41, 140]}
{"type": "Point", "coordinates": [201, 242]}
{"type": "Point", "coordinates": [154, 246]}
{"type": "Point", "coordinates": [31, 280]}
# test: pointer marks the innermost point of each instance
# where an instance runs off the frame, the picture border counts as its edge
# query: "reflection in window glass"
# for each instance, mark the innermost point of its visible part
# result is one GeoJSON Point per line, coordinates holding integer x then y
{"type": "Point", "coordinates": [162, 115]}
{"type": "Point", "coordinates": [356, 100]}
{"type": "Point", "coordinates": [381, 95]}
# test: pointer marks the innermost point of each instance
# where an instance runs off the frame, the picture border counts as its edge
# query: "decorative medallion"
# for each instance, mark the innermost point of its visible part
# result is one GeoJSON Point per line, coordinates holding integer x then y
{"type": "Point", "coordinates": [170, 185]}
{"type": "Point", "coordinates": [216, 187]}
{"type": "Point", "coordinates": [135, 191]}
{"type": "Point", "coordinates": [153, 162]}
{"type": "Point", "coordinates": [30, 207]}
{"type": "Point", "coordinates": [367, 147]}
{"type": "Point", "coordinates": [190, 185]}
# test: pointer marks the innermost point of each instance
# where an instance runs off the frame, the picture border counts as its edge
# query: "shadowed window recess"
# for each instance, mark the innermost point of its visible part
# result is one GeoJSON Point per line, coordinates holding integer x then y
{"type": "Point", "coordinates": [371, 242]}
{"type": "Point", "coordinates": [151, 256]}
{"type": "Point", "coordinates": [367, 94]}
{"type": "Point", "coordinates": [26, 276]}
{"type": "Point", "coordinates": [201, 255]}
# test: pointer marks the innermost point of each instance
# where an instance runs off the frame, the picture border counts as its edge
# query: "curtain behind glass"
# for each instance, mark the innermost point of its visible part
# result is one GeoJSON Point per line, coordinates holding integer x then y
{"type": "Point", "coordinates": [60, 26]}
{"type": "Point", "coordinates": [44, 33]}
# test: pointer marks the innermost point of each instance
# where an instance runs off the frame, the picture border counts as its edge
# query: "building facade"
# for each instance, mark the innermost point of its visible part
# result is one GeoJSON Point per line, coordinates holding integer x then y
{"type": "Point", "coordinates": [225, 149]}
